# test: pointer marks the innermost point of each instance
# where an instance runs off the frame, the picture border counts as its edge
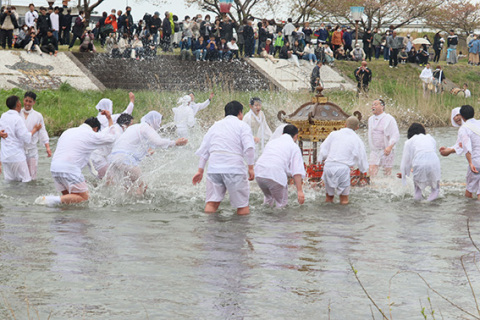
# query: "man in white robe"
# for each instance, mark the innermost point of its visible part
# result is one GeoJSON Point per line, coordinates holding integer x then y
{"type": "Point", "coordinates": [282, 158]}
{"type": "Point", "coordinates": [137, 142]}
{"type": "Point", "coordinates": [427, 77]}
{"type": "Point", "coordinates": [469, 135]}
{"type": "Point", "coordinates": [32, 118]}
{"type": "Point", "coordinates": [383, 135]}
{"type": "Point", "coordinates": [184, 114]}
{"type": "Point", "coordinates": [74, 148]}
{"type": "Point", "coordinates": [420, 158]}
{"type": "Point", "coordinates": [99, 159]}
{"type": "Point", "coordinates": [342, 150]}
{"type": "Point", "coordinates": [225, 146]}
{"type": "Point", "coordinates": [255, 118]}
{"type": "Point", "coordinates": [107, 104]}
{"type": "Point", "coordinates": [14, 139]}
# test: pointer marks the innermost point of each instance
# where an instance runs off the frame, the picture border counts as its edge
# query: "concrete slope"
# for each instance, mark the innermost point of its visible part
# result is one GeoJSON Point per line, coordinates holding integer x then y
{"type": "Point", "coordinates": [34, 72]}
{"type": "Point", "coordinates": [288, 76]}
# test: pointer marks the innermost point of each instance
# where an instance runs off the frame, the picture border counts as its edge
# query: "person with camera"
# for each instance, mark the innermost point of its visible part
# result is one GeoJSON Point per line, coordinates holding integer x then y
{"type": "Point", "coordinates": [8, 23]}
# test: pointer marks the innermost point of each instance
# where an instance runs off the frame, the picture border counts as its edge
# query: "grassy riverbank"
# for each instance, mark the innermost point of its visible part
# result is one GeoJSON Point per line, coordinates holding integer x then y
{"type": "Point", "coordinates": [401, 88]}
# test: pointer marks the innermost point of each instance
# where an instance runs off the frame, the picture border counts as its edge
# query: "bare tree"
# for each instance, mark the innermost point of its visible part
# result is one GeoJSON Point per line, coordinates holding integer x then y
{"type": "Point", "coordinates": [461, 15]}
{"type": "Point", "coordinates": [377, 13]}
{"type": "Point", "coordinates": [88, 6]}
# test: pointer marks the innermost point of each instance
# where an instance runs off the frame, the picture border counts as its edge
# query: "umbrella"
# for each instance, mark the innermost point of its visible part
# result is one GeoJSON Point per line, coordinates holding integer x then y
{"type": "Point", "coordinates": [420, 41]}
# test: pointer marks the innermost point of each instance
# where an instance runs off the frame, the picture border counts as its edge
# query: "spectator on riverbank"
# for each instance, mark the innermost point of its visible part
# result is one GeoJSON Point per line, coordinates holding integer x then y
{"type": "Point", "coordinates": [363, 75]}
{"type": "Point", "coordinates": [50, 44]}
{"type": "Point", "coordinates": [452, 42]}
{"type": "Point", "coordinates": [8, 23]}
{"type": "Point", "coordinates": [439, 79]}
{"type": "Point", "coordinates": [358, 54]}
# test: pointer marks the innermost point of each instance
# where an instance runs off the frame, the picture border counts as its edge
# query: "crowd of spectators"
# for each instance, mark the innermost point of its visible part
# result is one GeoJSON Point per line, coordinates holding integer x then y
{"type": "Point", "coordinates": [217, 39]}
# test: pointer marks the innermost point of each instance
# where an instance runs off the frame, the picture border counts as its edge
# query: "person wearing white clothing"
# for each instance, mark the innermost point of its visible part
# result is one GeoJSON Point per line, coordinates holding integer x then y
{"type": "Point", "coordinates": [55, 22]}
{"type": "Point", "coordinates": [183, 116]}
{"type": "Point", "coordinates": [135, 144]}
{"type": "Point", "coordinates": [281, 159]}
{"type": "Point", "coordinates": [31, 16]}
{"type": "Point", "coordinates": [199, 106]}
{"type": "Point", "coordinates": [32, 118]}
{"type": "Point", "coordinates": [225, 146]}
{"type": "Point", "coordinates": [255, 118]}
{"type": "Point", "coordinates": [466, 92]}
{"type": "Point", "coordinates": [342, 150]}
{"type": "Point", "coordinates": [107, 104]}
{"type": "Point", "coordinates": [419, 154]}
{"type": "Point", "coordinates": [14, 138]}
{"type": "Point", "coordinates": [469, 134]}
{"type": "Point", "coordinates": [427, 77]}
{"type": "Point", "coordinates": [99, 158]}
{"type": "Point", "coordinates": [383, 135]}
{"type": "Point", "coordinates": [73, 151]}
{"type": "Point", "coordinates": [457, 121]}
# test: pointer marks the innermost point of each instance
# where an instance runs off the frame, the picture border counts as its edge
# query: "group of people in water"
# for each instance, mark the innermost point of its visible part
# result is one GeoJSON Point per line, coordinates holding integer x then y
{"type": "Point", "coordinates": [113, 148]}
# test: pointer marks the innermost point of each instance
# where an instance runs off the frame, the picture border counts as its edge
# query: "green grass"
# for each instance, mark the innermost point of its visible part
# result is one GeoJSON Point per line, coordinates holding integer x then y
{"type": "Point", "coordinates": [400, 88]}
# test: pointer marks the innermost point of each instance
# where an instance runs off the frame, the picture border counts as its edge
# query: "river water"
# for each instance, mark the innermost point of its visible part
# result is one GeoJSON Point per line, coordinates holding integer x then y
{"type": "Point", "coordinates": [161, 257]}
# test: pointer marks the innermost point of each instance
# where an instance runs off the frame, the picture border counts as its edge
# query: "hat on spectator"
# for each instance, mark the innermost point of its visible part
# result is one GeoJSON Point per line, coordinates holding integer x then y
{"type": "Point", "coordinates": [348, 27]}
{"type": "Point", "coordinates": [157, 13]}
{"type": "Point", "coordinates": [357, 45]}
{"type": "Point", "coordinates": [268, 39]}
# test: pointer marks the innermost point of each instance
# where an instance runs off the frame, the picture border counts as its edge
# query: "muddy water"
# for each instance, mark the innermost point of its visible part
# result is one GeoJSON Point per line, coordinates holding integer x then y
{"type": "Point", "coordinates": [160, 257]}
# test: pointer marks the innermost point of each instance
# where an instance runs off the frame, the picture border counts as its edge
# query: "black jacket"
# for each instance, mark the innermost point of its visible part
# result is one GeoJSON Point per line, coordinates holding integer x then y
{"type": "Point", "coordinates": [156, 23]}
{"type": "Point", "coordinates": [43, 24]}
{"type": "Point", "coordinates": [167, 28]}
{"type": "Point", "coordinates": [12, 16]}
{"type": "Point", "coordinates": [50, 40]}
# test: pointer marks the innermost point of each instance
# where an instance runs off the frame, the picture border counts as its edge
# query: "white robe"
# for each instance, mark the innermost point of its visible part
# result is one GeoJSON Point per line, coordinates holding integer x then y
{"type": "Point", "coordinates": [75, 146]}
{"type": "Point", "coordinates": [420, 154]}
{"type": "Point", "coordinates": [225, 146]}
{"type": "Point", "coordinates": [382, 131]}
{"type": "Point", "coordinates": [134, 144]}
{"type": "Point", "coordinates": [260, 129]}
{"type": "Point", "coordinates": [427, 75]}
{"type": "Point", "coordinates": [103, 119]}
{"type": "Point", "coordinates": [184, 118]}
{"type": "Point", "coordinates": [199, 106]}
{"type": "Point", "coordinates": [342, 150]}
{"type": "Point", "coordinates": [345, 147]}
{"type": "Point", "coordinates": [34, 117]}
{"type": "Point", "coordinates": [13, 147]}
{"type": "Point", "coordinates": [469, 134]}
{"type": "Point", "coordinates": [282, 158]}
{"type": "Point", "coordinates": [99, 157]}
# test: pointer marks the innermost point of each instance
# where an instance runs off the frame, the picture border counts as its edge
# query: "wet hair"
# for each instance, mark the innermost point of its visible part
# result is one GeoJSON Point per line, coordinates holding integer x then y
{"type": "Point", "coordinates": [291, 130]}
{"type": "Point", "coordinates": [255, 99]}
{"type": "Point", "coordinates": [415, 128]}
{"type": "Point", "coordinates": [124, 119]}
{"type": "Point", "coordinates": [12, 102]}
{"type": "Point", "coordinates": [94, 123]}
{"type": "Point", "coordinates": [233, 108]}
{"type": "Point", "coordinates": [30, 94]}
{"type": "Point", "coordinates": [467, 112]}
